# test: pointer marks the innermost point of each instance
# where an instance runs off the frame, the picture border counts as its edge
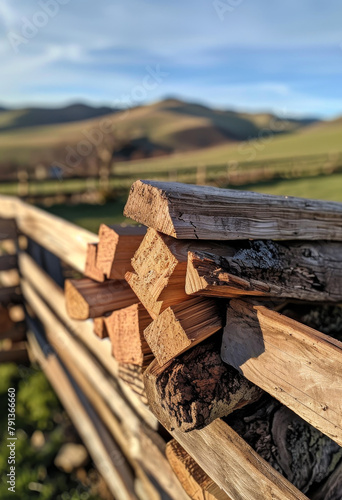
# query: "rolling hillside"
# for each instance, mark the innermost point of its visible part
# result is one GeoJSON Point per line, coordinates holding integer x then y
{"type": "Point", "coordinates": [169, 126]}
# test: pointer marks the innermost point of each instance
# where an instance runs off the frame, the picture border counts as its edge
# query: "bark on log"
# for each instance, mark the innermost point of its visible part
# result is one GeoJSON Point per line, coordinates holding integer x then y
{"type": "Point", "coordinates": [208, 213]}
{"type": "Point", "coordinates": [301, 453]}
{"type": "Point", "coordinates": [299, 270]}
{"type": "Point", "coordinates": [195, 389]}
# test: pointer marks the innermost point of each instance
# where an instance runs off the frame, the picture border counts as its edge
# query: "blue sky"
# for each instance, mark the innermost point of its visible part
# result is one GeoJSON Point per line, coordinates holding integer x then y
{"type": "Point", "coordinates": [253, 55]}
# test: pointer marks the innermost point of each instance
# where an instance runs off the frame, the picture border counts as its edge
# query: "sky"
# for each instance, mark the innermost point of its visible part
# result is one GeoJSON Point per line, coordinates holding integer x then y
{"type": "Point", "coordinates": [253, 55]}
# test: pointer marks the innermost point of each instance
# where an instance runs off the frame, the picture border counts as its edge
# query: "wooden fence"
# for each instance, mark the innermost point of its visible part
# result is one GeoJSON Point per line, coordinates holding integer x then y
{"type": "Point", "coordinates": [122, 435]}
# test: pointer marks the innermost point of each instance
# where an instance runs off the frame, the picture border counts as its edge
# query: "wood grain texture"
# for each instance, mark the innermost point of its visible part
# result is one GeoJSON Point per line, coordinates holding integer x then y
{"type": "Point", "coordinates": [197, 484]}
{"type": "Point", "coordinates": [195, 389]}
{"type": "Point", "coordinates": [209, 213]}
{"type": "Point", "coordinates": [90, 270]}
{"type": "Point", "coordinates": [181, 327]}
{"type": "Point", "coordinates": [310, 271]}
{"type": "Point", "coordinates": [234, 465]}
{"type": "Point", "coordinates": [86, 298]}
{"type": "Point", "coordinates": [299, 366]}
{"type": "Point", "coordinates": [126, 331]}
{"type": "Point", "coordinates": [117, 245]}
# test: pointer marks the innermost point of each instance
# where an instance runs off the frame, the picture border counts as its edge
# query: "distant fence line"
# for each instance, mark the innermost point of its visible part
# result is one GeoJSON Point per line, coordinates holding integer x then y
{"type": "Point", "coordinates": [231, 173]}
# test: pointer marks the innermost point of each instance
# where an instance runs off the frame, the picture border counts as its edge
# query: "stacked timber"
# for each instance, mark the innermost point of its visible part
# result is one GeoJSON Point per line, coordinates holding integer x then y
{"type": "Point", "coordinates": [222, 313]}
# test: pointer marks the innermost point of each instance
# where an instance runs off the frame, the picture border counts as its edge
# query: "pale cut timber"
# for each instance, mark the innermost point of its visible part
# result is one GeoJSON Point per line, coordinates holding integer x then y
{"type": "Point", "coordinates": [126, 331]}
{"type": "Point", "coordinates": [197, 484]}
{"type": "Point", "coordinates": [299, 366]}
{"type": "Point", "coordinates": [171, 296]}
{"type": "Point", "coordinates": [116, 248]}
{"type": "Point", "coordinates": [161, 262]}
{"type": "Point", "coordinates": [91, 271]}
{"type": "Point", "coordinates": [234, 465]}
{"type": "Point", "coordinates": [8, 262]}
{"type": "Point", "coordinates": [8, 229]}
{"type": "Point", "coordinates": [310, 271]}
{"type": "Point", "coordinates": [196, 388]}
{"type": "Point", "coordinates": [181, 327]}
{"type": "Point", "coordinates": [86, 298]}
{"type": "Point", "coordinates": [208, 213]}
{"type": "Point", "coordinates": [100, 327]}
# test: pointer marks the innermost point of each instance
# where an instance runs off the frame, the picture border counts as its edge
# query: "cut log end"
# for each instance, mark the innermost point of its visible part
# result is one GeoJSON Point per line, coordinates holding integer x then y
{"type": "Point", "coordinates": [76, 305]}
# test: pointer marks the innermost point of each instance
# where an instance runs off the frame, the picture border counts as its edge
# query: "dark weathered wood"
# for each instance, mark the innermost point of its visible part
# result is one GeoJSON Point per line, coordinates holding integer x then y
{"type": "Point", "coordinates": [299, 366]}
{"type": "Point", "coordinates": [8, 229]}
{"type": "Point", "coordinates": [197, 484]}
{"type": "Point", "coordinates": [183, 326]}
{"type": "Point", "coordinates": [9, 295]}
{"type": "Point", "coordinates": [309, 271]}
{"type": "Point", "coordinates": [16, 354]}
{"type": "Point", "coordinates": [293, 447]}
{"type": "Point", "coordinates": [116, 248]}
{"type": "Point", "coordinates": [91, 270]}
{"type": "Point", "coordinates": [200, 212]}
{"type": "Point", "coordinates": [8, 262]}
{"type": "Point", "coordinates": [86, 298]}
{"type": "Point", "coordinates": [196, 388]}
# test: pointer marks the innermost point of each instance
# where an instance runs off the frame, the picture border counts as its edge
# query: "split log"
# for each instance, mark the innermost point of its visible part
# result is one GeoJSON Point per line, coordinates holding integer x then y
{"type": "Point", "coordinates": [126, 331]}
{"type": "Point", "coordinates": [8, 262]}
{"type": "Point", "coordinates": [86, 298]}
{"type": "Point", "coordinates": [8, 229]}
{"type": "Point", "coordinates": [293, 447]}
{"type": "Point", "coordinates": [209, 213]}
{"type": "Point", "coordinates": [181, 327]}
{"type": "Point", "coordinates": [197, 484]}
{"type": "Point", "coordinates": [100, 327]}
{"type": "Point", "coordinates": [299, 270]}
{"type": "Point", "coordinates": [332, 488]}
{"type": "Point", "coordinates": [299, 366]}
{"type": "Point", "coordinates": [91, 270]}
{"type": "Point", "coordinates": [171, 296]}
{"type": "Point", "coordinates": [195, 389]}
{"type": "Point", "coordinates": [117, 246]}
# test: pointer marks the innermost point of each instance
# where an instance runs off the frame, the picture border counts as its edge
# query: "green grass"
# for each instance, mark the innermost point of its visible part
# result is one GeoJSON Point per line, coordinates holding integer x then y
{"type": "Point", "coordinates": [37, 408]}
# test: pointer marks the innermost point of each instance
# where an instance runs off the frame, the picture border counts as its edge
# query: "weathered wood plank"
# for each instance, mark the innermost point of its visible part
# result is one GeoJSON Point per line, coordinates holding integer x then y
{"type": "Point", "coordinates": [200, 212]}
{"type": "Point", "coordinates": [197, 484]}
{"type": "Point", "coordinates": [299, 366]}
{"type": "Point", "coordinates": [234, 465]}
{"type": "Point", "coordinates": [309, 271]}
